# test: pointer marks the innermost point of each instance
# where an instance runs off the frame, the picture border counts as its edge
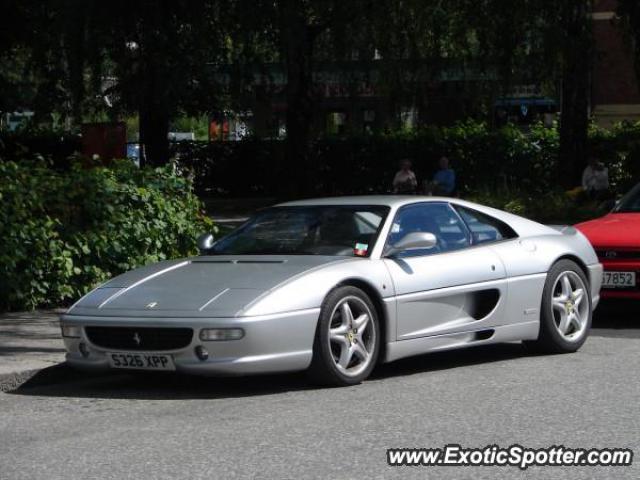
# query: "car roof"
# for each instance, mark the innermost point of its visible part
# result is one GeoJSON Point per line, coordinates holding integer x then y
{"type": "Point", "coordinates": [386, 200]}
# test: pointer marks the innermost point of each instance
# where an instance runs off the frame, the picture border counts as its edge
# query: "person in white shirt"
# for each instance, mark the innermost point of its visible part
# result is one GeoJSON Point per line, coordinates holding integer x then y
{"type": "Point", "coordinates": [595, 179]}
{"type": "Point", "coordinates": [405, 181]}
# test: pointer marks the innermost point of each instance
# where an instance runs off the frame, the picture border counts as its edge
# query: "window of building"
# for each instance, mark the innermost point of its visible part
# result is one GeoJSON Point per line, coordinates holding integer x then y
{"type": "Point", "coordinates": [409, 118]}
{"type": "Point", "coordinates": [336, 123]}
{"type": "Point", "coordinates": [368, 121]}
{"type": "Point", "coordinates": [276, 126]}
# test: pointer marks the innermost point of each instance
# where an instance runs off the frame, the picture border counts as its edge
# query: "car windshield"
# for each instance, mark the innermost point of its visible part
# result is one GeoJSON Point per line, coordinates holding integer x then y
{"type": "Point", "coordinates": [348, 230]}
{"type": "Point", "coordinates": [630, 203]}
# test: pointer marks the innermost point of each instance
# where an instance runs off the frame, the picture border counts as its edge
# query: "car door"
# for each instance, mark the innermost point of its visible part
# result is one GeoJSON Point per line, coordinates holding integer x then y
{"type": "Point", "coordinates": [452, 287]}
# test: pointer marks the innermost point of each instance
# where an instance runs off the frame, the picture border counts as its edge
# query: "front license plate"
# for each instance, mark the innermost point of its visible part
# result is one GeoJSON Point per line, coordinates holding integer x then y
{"type": "Point", "coordinates": [141, 361]}
{"type": "Point", "coordinates": [618, 279]}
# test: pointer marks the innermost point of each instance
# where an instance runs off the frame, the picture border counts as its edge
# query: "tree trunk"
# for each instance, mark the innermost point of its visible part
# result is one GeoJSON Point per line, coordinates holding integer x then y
{"type": "Point", "coordinates": [154, 128]}
{"type": "Point", "coordinates": [74, 43]}
{"type": "Point", "coordinates": [574, 122]}
{"type": "Point", "coordinates": [153, 109]}
{"type": "Point", "coordinates": [298, 49]}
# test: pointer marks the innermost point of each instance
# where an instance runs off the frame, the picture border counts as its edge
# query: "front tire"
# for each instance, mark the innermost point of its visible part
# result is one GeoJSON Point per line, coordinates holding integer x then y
{"type": "Point", "coordinates": [565, 310]}
{"type": "Point", "coordinates": [347, 341]}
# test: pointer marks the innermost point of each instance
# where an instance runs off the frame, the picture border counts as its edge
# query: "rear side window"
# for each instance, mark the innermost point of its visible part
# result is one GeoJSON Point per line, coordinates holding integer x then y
{"type": "Point", "coordinates": [483, 228]}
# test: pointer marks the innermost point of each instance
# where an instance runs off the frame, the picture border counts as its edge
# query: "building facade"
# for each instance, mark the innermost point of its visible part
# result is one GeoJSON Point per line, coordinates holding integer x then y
{"type": "Point", "coordinates": [615, 95]}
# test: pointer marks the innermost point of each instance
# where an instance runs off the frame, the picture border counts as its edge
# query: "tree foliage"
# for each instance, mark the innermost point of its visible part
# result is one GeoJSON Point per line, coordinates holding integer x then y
{"type": "Point", "coordinates": [165, 58]}
{"type": "Point", "coordinates": [64, 232]}
{"type": "Point", "coordinates": [148, 57]}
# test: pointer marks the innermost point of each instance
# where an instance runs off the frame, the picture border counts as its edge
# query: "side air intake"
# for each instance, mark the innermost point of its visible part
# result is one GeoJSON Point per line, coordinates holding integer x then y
{"type": "Point", "coordinates": [483, 303]}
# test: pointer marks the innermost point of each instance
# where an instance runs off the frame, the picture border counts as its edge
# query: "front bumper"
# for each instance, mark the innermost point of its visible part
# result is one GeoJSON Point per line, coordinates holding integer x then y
{"type": "Point", "coordinates": [271, 343]}
{"type": "Point", "coordinates": [595, 280]}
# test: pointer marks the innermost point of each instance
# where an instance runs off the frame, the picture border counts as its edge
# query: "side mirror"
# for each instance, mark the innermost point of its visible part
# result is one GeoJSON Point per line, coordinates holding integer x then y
{"type": "Point", "coordinates": [413, 241]}
{"type": "Point", "coordinates": [205, 242]}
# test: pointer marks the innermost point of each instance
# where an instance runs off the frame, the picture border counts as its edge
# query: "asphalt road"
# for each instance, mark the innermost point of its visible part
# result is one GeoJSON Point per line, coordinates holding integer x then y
{"type": "Point", "coordinates": [62, 424]}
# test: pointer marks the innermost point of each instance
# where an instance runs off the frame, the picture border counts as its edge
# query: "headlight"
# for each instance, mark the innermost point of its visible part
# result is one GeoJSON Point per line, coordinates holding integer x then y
{"type": "Point", "coordinates": [71, 331]}
{"type": "Point", "coordinates": [215, 334]}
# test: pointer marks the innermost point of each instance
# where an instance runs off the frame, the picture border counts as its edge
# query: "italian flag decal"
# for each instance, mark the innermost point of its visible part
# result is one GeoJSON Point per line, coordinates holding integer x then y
{"type": "Point", "coordinates": [361, 249]}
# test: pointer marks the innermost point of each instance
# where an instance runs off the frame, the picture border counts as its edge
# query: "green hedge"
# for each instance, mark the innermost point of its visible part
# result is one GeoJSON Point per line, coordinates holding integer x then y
{"type": "Point", "coordinates": [483, 157]}
{"type": "Point", "coordinates": [554, 207]}
{"type": "Point", "coordinates": [63, 232]}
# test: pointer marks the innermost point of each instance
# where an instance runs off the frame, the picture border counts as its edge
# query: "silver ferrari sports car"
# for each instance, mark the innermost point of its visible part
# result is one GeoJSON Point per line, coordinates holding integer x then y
{"type": "Point", "coordinates": [336, 285]}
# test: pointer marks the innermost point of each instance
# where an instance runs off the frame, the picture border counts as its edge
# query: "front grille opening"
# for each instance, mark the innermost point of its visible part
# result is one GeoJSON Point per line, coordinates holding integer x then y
{"type": "Point", "coordinates": [613, 254]}
{"type": "Point", "coordinates": [236, 262]}
{"type": "Point", "coordinates": [260, 261]}
{"type": "Point", "coordinates": [139, 338]}
{"type": "Point", "coordinates": [208, 260]}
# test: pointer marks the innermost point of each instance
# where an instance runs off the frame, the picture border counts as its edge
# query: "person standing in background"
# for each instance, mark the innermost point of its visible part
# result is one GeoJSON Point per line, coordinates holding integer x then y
{"type": "Point", "coordinates": [405, 181]}
{"type": "Point", "coordinates": [444, 180]}
{"type": "Point", "coordinates": [595, 179]}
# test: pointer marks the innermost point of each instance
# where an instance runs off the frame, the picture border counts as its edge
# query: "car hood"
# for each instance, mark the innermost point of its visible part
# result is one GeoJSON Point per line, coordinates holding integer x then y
{"type": "Point", "coordinates": [207, 286]}
{"type": "Point", "coordinates": [613, 230]}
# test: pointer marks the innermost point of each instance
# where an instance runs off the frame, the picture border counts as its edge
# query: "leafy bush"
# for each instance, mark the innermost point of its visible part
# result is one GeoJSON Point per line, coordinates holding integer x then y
{"type": "Point", "coordinates": [61, 233]}
{"type": "Point", "coordinates": [484, 158]}
{"type": "Point", "coordinates": [619, 149]}
{"type": "Point", "coordinates": [57, 145]}
{"type": "Point", "coordinates": [554, 207]}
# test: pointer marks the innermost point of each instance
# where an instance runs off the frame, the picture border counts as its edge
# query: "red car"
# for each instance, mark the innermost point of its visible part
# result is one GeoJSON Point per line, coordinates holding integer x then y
{"type": "Point", "coordinates": [616, 239]}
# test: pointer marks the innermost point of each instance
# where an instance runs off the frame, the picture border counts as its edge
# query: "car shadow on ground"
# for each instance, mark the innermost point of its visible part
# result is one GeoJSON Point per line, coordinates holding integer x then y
{"type": "Point", "coordinates": [619, 319]}
{"type": "Point", "coordinates": [62, 381]}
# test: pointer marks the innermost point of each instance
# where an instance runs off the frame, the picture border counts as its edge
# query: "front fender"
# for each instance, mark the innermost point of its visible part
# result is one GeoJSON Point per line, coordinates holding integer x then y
{"type": "Point", "coordinates": [309, 289]}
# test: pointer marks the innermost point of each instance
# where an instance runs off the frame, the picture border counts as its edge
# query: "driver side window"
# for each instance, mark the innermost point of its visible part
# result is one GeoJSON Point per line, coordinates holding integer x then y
{"type": "Point", "coordinates": [432, 217]}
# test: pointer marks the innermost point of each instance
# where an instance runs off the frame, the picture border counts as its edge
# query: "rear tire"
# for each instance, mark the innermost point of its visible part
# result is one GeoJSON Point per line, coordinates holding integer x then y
{"type": "Point", "coordinates": [347, 341]}
{"type": "Point", "coordinates": [565, 310]}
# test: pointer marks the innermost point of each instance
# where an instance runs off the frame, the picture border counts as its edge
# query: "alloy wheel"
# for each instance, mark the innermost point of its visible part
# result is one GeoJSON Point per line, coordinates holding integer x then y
{"type": "Point", "coordinates": [352, 337]}
{"type": "Point", "coordinates": [570, 306]}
